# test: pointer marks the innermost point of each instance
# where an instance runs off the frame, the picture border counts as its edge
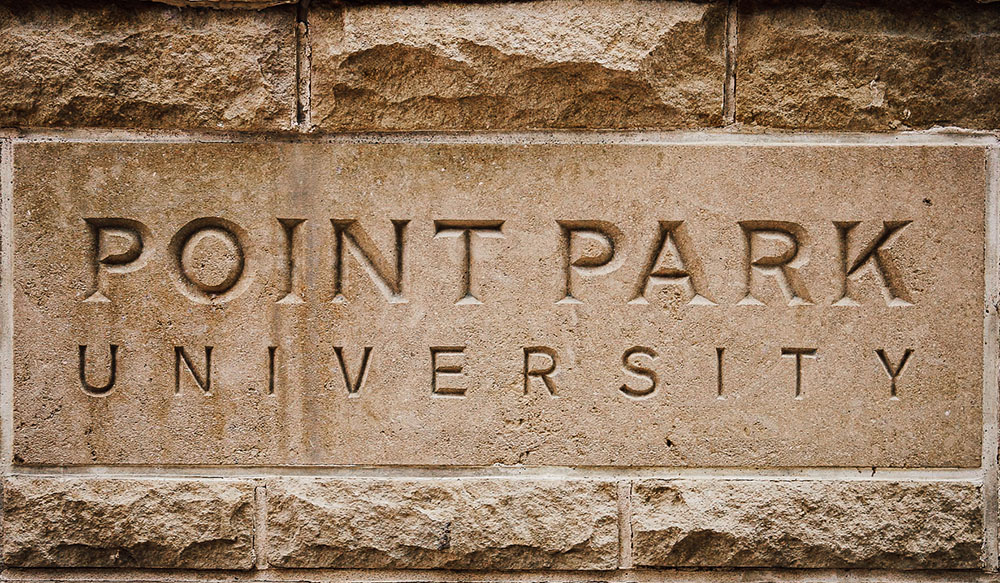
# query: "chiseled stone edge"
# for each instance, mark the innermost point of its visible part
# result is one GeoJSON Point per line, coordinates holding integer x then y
{"type": "Point", "coordinates": [83, 522]}
{"type": "Point", "coordinates": [781, 523]}
{"type": "Point", "coordinates": [224, 4]}
{"type": "Point", "coordinates": [447, 523]}
{"type": "Point", "coordinates": [494, 66]}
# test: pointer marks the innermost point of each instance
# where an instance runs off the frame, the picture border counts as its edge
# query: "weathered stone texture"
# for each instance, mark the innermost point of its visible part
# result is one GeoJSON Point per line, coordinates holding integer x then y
{"type": "Point", "coordinates": [134, 64]}
{"type": "Point", "coordinates": [81, 522]}
{"type": "Point", "coordinates": [252, 4]}
{"type": "Point", "coordinates": [861, 65]}
{"type": "Point", "coordinates": [468, 523]}
{"type": "Point", "coordinates": [509, 65]}
{"type": "Point", "coordinates": [76, 283]}
{"type": "Point", "coordinates": [821, 524]}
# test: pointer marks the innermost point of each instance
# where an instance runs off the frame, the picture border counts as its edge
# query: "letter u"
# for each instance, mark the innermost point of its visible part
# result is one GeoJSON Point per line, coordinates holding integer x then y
{"type": "Point", "coordinates": [89, 388]}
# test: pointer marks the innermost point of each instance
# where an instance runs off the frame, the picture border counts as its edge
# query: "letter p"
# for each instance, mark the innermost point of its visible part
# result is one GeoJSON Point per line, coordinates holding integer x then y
{"type": "Point", "coordinates": [588, 250]}
{"type": "Point", "coordinates": [117, 246]}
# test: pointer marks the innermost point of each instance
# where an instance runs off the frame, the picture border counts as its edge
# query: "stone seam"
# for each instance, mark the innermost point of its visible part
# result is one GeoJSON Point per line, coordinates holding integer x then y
{"type": "Point", "coordinates": [731, 48]}
{"type": "Point", "coordinates": [6, 303]}
{"type": "Point", "coordinates": [625, 524]}
{"type": "Point", "coordinates": [303, 69]}
{"type": "Point", "coordinates": [941, 136]}
{"type": "Point", "coordinates": [991, 361]}
{"type": "Point", "coordinates": [508, 472]}
{"type": "Point", "coordinates": [260, 526]}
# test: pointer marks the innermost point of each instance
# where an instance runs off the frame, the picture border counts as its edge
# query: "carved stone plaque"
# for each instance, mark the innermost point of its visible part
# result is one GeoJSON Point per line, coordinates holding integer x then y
{"type": "Point", "coordinates": [477, 304]}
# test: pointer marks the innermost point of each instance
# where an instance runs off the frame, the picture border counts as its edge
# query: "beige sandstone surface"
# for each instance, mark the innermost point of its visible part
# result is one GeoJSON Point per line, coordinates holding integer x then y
{"type": "Point", "coordinates": [453, 524]}
{"type": "Point", "coordinates": [877, 66]}
{"type": "Point", "coordinates": [139, 64]}
{"type": "Point", "coordinates": [515, 65]}
{"type": "Point", "coordinates": [807, 523]}
{"type": "Point", "coordinates": [736, 339]}
{"type": "Point", "coordinates": [114, 522]}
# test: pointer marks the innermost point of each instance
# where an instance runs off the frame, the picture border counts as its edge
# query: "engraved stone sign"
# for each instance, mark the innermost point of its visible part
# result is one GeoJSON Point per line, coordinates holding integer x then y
{"type": "Point", "coordinates": [476, 304]}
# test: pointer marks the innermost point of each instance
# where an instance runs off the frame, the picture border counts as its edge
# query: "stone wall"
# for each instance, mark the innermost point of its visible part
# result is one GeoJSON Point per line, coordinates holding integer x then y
{"type": "Point", "coordinates": [449, 66]}
{"type": "Point", "coordinates": [92, 91]}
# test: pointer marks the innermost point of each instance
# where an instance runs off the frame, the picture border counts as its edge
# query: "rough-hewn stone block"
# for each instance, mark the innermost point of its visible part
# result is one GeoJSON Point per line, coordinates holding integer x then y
{"type": "Point", "coordinates": [145, 65]}
{"type": "Point", "coordinates": [539, 64]}
{"type": "Point", "coordinates": [468, 524]}
{"type": "Point", "coordinates": [118, 522]}
{"type": "Point", "coordinates": [861, 65]}
{"type": "Point", "coordinates": [806, 523]}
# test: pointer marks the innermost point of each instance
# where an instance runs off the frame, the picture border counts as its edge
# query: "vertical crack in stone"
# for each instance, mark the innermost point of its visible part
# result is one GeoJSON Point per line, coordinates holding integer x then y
{"type": "Point", "coordinates": [260, 526]}
{"type": "Point", "coordinates": [303, 68]}
{"type": "Point", "coordinates": [625, 524]}
{"type": "Point", "coordinates": [731, 47]}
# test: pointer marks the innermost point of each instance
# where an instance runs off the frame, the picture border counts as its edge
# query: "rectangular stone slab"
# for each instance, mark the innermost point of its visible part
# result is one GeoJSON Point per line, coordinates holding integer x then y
{"type": "Point", "coordinates": [683, 261]}
{"type": "Point", "coordinates": [149, 66]}
{"type": "Point", "coordinates": [151, 523]}
{"type": "Point", "coordinates": [465, 523]}
{"type": "Point", "coordinates": [594, 64]}
{"type": "Point", "coordinates": [872, 524]}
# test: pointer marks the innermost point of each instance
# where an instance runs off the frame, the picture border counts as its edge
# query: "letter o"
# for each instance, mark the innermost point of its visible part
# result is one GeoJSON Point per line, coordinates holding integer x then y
{"type": "Point", "coordinates": [210, 260]}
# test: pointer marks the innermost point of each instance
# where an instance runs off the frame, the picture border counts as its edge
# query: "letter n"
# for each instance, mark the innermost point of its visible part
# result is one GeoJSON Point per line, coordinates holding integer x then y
{"type": "Point", "coordinates": [349, 236]}
{"type": "Point", "coordinates": [204, 381]}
